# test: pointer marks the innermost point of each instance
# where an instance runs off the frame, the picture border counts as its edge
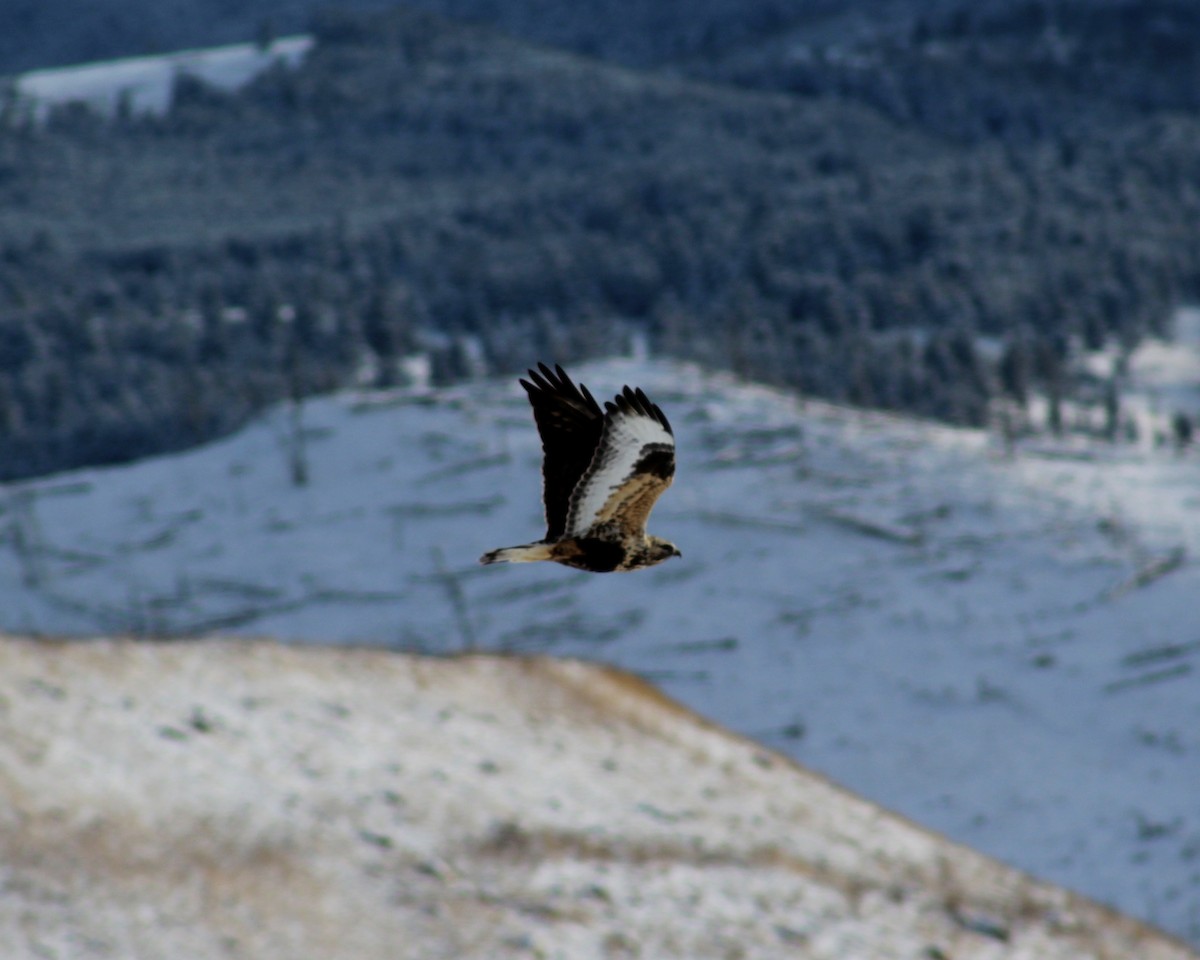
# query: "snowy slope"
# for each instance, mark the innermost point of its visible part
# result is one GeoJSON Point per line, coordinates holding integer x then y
{"type": "Point", "coordinates": [1004, 650]}
{"type": "Point", "coordinates": [146, 82]}
{"type": "Point", "coordinates": [247, 800]}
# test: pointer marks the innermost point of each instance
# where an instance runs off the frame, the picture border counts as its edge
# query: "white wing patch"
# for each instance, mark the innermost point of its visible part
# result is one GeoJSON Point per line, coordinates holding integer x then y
{"type": "Point", "coordinates": [623, 444]}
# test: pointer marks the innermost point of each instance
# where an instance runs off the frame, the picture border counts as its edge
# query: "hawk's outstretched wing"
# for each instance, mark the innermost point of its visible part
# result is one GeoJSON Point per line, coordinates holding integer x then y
{"type": "Point", "coordinates": [571, 424]}
{"type": "Point", "coordinates": [634, 463]}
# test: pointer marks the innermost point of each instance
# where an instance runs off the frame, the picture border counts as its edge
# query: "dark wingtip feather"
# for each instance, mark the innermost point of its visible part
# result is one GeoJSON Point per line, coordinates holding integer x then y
{"type": "Point", "coordinates": [552, 381]}
{"type": "Point", "coordinates": [630, 400]}
{"type": "Point", "coordinates": [635, 401]}
{"type": "Point", "coordinates": [653, 410]}
{"type": "Point", "coordinates": [551, 386]}
{"type": "Point", "coordinates": [662, 418]}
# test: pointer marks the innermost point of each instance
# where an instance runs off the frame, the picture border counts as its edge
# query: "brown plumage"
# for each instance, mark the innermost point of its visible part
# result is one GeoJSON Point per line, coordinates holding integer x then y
{"type": "Point", "coordinates": [602, 472]}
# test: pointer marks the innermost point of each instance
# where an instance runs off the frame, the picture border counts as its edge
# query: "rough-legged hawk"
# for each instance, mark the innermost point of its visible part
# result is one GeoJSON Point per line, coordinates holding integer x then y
{"type": "Point", "coordinates": [602, 471]}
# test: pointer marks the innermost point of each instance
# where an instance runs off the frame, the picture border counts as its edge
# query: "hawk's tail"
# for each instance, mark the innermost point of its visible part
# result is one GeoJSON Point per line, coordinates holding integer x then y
{"type": "Point", "coordinates": [526, 553]}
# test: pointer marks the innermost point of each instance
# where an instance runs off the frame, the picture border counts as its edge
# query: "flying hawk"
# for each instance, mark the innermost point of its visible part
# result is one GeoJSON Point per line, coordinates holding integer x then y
{"type": "Point", "coordinates": [601, 474]}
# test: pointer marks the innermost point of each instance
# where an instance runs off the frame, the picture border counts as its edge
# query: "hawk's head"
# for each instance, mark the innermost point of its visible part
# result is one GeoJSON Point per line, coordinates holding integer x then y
{"type": "Point", "coordinates": [658, 550]}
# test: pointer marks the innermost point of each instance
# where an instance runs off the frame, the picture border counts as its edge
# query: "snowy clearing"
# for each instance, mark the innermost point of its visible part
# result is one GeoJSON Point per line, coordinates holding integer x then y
{"type": "Point", "coordinates": [1004, 650]}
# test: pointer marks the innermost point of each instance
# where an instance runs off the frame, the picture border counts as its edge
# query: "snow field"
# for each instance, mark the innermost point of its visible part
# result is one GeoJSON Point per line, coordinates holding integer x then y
{"type": "Point", "coordinates": [1004, 650]}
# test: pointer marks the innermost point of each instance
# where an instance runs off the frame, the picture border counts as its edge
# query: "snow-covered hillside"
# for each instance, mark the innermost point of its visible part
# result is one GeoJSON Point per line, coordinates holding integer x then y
{"type": "Point", "coordinates": [1005, 650]}
{"type": "Point", "coordinates": [229, 800]}
{"type": "Point", "coordinates": [144, 84]}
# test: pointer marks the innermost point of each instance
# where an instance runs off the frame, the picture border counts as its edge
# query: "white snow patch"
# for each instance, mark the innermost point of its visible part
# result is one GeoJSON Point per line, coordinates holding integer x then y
{"type": "Point", "coordinates": [145, 83]}
{"type": "Point", "coordinates": [1003, 649]}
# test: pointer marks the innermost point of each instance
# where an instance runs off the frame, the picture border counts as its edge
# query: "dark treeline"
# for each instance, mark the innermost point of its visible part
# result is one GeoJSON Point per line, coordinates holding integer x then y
{"type": "Point", "coordinates": [1062, 71]}
{"type": "Point", "coordinates": [424, 186]}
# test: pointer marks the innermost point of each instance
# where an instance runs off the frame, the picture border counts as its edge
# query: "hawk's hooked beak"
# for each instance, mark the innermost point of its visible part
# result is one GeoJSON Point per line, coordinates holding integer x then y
{"type": "Point", "coordinates": [676, 552]}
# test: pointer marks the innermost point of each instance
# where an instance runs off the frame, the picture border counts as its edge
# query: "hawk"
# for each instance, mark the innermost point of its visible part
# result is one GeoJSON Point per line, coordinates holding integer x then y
{"type": "Point", "coordinates": [602, 471]}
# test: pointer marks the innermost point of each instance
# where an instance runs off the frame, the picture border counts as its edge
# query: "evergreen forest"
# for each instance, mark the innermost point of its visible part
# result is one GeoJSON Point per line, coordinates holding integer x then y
{"type": "Point", "coordinates": [931, 214]}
